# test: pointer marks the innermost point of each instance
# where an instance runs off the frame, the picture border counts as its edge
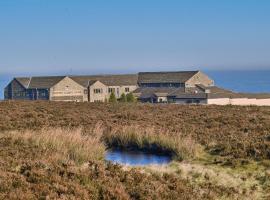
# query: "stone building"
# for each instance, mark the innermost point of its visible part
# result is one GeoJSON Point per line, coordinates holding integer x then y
{"type": "Point", "coordinates": [183, 87]}
{"type": "Point", "coordinates": [70, 88]}
{"type": "Point", "coordinates": [190, 87]}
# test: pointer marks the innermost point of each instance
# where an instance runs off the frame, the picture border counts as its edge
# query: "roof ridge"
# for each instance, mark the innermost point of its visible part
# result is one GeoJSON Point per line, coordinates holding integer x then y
{"type": "Point", "coordinates": [194, 71]}
{"type": "Point", "coordinates": [29, 82]}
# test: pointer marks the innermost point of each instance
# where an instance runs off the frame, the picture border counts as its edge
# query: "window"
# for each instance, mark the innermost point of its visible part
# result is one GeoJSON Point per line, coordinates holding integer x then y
{"type": "Point", "coordinates": [111, 90]}
{"type": "Point", "coordinates": [20, 94]}
{"type": "Point", "coordinates": [189, 101]}
{"type": "Point", "coordinates": [43, 94]}
{"type": "Point", "coordinates": [197, 101]}
{"type": "Point", "coordinates": [97, 101]}
{"type": "Point", "coordinates": [98, 91]}
{"type": "Point", "coordinates": [86, 91]}
{"type": "Point", "coordinates": [127, 89]}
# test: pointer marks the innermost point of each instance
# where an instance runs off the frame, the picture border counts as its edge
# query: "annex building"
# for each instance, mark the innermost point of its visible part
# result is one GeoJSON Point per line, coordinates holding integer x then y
{"type": "Point", "coordinates": [182, 87]}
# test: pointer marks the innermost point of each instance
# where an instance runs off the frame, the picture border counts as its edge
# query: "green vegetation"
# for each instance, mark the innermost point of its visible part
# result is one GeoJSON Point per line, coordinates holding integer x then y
{"type": "Point", "coordinates": [123, 98]}
{"type": "Point", "coordinates": [112, 98]}
{"type": "Point", "coordinates": [130, 98]}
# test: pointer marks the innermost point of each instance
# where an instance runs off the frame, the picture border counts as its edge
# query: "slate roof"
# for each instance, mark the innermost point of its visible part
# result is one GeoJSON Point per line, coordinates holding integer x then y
{"type": "Point", "coordinates": [109, 80]}
{"type": "Point", "coordinates": [148, 92]}
{"type": "Point", "coordinates": [165, 77]}
{"type": "Point", "coordinates": [24, 81]}
{"type": "Point", "coordinates": [44, 82]}
{"type": "Point", "coordinates": [198, 92]}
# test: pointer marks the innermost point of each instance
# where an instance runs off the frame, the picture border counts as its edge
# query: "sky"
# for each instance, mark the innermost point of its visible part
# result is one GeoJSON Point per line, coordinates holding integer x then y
{"type": "Point", "coordinates": [54, 37]}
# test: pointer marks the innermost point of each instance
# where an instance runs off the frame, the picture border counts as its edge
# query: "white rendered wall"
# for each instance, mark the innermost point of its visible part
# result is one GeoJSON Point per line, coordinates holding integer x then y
{"type": "Point", "coordinates": [239, 101]}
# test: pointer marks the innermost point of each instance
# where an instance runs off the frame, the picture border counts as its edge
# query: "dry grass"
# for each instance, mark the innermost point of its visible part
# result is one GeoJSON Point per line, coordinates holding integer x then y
{"type": "Point", "coordinates": [244, 184]}
{"type": "Point", "coordinates": [71, 144]}
{"type": "Point", "coordinates": [153, 140]}
{"type": "Point", "coordinates": [31, 141]}
{"type": "Point", "coordinates": [234, 131]}
{"type": "Point", "coordinates": [29, 169]}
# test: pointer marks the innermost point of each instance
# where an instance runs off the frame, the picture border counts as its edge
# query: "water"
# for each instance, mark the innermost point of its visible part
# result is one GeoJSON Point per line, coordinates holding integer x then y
{"type": "Point", "coordinates": [136, 158]}
{"type": "Point", "coordinates": [239, 81]}
{"type": "Point", "coordinates": [242, 81]}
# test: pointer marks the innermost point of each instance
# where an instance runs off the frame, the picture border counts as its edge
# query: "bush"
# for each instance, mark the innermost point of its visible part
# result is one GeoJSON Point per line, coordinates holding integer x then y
{"type": "Point", "coordinates": [112, 98]}
{"type": "Point", "coordinates": [130, 97]}
{"type": "Point", "coordinates": [123, 98]}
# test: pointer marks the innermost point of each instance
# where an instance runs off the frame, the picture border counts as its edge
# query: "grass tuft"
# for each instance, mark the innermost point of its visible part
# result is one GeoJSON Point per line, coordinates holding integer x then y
{"type": "Point", "coordinates": [70, 143]}
{"type": "Point", "coordinates": [151, 140]}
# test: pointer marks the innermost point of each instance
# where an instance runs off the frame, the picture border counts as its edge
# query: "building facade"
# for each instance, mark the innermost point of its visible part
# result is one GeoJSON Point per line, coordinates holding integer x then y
{"type": "Point", "coordinates": [190, 87]}
{"type": "Point", "coordinates": [70, 88]}
{"type": "Point", "coordinates": [183, 87]}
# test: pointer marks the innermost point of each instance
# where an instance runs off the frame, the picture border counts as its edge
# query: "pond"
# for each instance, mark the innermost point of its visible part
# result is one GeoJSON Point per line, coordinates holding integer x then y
{"type": "Point", "coordinates": [136, 158]}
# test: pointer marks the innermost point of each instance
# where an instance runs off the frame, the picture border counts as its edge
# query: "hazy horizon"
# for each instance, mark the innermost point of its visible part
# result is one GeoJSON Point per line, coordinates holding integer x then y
{"type": "Point", "coordinates": [63, 37]}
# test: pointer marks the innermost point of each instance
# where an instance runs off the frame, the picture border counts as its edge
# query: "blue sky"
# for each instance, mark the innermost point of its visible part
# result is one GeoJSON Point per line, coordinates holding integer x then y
{"type": "Point", "coordinates": [88, 36]}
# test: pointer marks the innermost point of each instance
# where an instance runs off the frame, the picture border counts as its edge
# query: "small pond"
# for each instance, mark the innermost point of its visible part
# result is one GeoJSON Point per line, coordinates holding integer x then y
{"type": "Point", "coordinates": [136, 158]}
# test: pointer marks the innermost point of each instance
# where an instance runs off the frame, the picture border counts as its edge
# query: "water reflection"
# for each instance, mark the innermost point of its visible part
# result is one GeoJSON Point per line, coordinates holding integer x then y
{"type": "Point", "coordinates": [136, 158]}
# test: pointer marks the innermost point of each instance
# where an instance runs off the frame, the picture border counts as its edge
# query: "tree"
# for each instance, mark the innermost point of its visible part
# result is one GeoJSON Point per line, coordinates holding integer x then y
{"type": "Point", "coordinates": [130, 97]}
{"type": "Point", "coordinates": [123, 98]}
{"type": "Point", "coordinates": [112, 98]}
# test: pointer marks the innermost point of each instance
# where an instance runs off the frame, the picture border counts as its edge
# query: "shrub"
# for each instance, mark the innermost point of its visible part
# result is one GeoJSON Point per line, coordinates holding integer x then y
{"type": "Point", "coordinates": [112, 98]}
{"type": "Point", "coordinates": [123, 98]}
{"type": "Point", "coordinates": [130, 97]}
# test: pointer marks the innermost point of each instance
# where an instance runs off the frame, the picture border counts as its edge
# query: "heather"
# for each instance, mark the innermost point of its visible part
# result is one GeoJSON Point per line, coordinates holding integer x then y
{"type": "Point", "coordinates": [56, 150]}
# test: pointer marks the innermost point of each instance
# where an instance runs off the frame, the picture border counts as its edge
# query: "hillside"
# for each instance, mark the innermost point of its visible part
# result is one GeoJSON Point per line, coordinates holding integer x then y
{"type": "Point", "coordinates": [56, 150]}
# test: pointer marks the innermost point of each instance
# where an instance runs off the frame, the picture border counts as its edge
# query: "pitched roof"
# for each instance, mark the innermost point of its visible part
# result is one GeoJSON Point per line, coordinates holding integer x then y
{"type": "Point", "coordinates": [165, 77]}
{"type": "Point", "coordinates": [44, 82]}
{"type": "Point", "coordinates": [24, 81]}
{"type": "Point", "coordinates": [148, 92]}
{"type": "Point", "coordinates": [198, 92]}
{"type": "Point", "coordinates": [109, 80]}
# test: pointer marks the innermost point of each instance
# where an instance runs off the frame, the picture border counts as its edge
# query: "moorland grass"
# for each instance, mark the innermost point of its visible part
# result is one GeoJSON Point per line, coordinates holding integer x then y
{"type": "Point", "coordinates": [71, 144]}
{"type": "Point", "coordinates": [153, 140]}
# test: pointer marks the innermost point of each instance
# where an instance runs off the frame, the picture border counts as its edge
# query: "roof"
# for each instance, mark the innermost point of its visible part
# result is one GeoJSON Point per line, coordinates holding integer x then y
{"type": "Point", "coordinates": [198, 92]}
{"type": "Point", "coordinates": [44, 82]}
{"type": "Point", "coordinates": [24, 81]}
{"type": "Point", "coordinates": [149, 92]}
{"type": "Point", "coordinates": [109, 80]}
{"type": "Point", "coordinates": [165, 77]}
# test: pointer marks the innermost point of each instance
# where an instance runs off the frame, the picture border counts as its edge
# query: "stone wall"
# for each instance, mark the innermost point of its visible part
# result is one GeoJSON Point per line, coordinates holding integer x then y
{"type": "Point", "coordinates": [199, 78]}
{"type": "Point", "coordinates": [67, 90]}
